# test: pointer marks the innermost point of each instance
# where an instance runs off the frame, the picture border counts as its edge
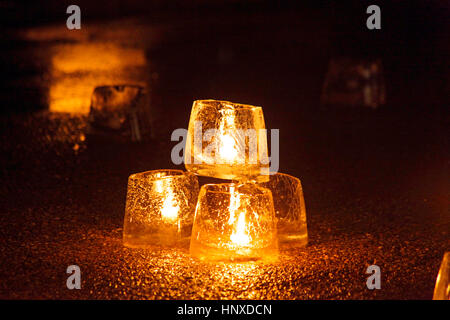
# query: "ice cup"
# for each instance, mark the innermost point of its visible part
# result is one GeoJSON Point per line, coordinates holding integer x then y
{"type": "Point", "coordinates": [234, 222]}
{"type": "Point", "coordinates": [160, 208]}
{"type": "Point", "coordinates": [227, 140]}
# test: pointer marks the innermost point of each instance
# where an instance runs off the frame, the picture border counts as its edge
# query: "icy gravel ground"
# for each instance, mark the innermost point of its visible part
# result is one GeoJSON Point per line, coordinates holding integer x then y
{"type": "Point", "coordinates": [63, 196]}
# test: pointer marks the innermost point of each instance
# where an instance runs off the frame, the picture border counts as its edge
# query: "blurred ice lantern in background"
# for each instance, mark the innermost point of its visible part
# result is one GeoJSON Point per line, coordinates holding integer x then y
{"type": "Point", "coordinates": [123, 109]}
{"type": "Point", "coordinates": [76, 69]}
{"type": "Point", "coordinates": [354, 82]}
{"type": "Point", "coordinates": [73, 64]}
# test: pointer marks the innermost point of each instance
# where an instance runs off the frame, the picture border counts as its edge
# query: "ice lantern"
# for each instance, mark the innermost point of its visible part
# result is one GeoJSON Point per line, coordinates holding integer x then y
{"type": "Point", "coordinates": [234, 222]}
{"type": "Point", "coordinates": [159, 208]}
{"type": "Point", "coordinates": [227, 140]}
{"type": "Point", "coordinates": [289, 207]}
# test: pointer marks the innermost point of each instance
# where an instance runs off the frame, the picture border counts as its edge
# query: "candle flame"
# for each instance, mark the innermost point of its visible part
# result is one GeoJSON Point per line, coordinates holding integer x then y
{"type": "Point", "coordinates": [234, 205]}
{"type": "Point", "coordinates": [170, 208]}
{"type": "Point", "coordinates": [94, 64]}
{"type": "Point", "coordinates": [240, 236]}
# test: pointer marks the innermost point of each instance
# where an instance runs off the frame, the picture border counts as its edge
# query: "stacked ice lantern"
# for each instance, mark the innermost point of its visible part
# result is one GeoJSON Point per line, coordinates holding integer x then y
{"type": "Point", "coordinates": [242, 218]}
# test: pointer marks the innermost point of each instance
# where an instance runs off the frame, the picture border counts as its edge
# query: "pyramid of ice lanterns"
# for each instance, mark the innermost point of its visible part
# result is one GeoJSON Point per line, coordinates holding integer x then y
{"type": "Point", "coordinates": [242, 218]}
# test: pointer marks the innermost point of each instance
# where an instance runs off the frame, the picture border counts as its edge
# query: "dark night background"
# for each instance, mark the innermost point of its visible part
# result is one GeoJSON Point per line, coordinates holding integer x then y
{"type": "Point", "coordinates": [376, 182]}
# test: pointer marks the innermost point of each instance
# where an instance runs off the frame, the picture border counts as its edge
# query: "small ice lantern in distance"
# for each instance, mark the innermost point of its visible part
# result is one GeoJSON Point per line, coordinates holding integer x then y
{"type": "Point", "coordinates": [227, 140]}
{"type": "Point", "coordinates": [121, 111]}
{"type": "Point", "coordinates": [159, 208]}
{"type": "Point", "coordinates": [289, 207]}
{"type": "Point", "coordinates": [234, 222]}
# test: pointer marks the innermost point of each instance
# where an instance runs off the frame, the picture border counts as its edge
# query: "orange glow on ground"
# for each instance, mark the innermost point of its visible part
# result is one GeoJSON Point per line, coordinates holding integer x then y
{"type": "Point", "coordinates": [170, 208]}
{"type": "Point", "coordinates": [76, 69]}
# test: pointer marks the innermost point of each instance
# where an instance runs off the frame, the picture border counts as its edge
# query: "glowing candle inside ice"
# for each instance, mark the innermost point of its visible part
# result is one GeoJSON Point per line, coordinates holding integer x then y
{"type": "Point", "coordinates": [160, 207]}
{"type": "Point", "coordinates": [227, 148]}
{"type": "Point", "coordinates": [170, 208]}
{"type": "Point", "coordinates": [240, 236]}
{"type": "Point", "coordinates": [234, 222]}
